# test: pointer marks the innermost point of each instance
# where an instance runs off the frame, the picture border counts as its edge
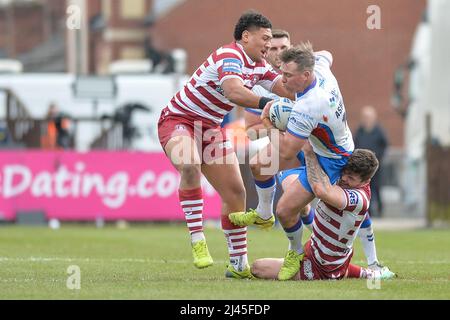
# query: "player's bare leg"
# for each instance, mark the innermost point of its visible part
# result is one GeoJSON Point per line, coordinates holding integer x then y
{"type": "Point", "coordinates": [293, 200]}
{"type": "Point", "coordinates": [264, 165]}
{"type": "Point", "coordinates": [227, 180]}
{"type": "Point", "coordinates": [307, 213]}
{"type": "Point", "coordinates": [184, 155]}
{"type": "Point", "coordinates": [266, 268]}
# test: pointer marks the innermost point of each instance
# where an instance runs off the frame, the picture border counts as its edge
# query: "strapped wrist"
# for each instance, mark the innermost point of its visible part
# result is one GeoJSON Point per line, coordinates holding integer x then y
{"type": "Point", "coordinates": [263, 101]}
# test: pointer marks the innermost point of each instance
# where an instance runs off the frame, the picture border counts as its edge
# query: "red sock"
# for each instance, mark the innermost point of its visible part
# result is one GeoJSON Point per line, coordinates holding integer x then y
{"type": "Point", "coordinates": [354, 271]}
{"type": "Point", "coordinates": [237, 243]}
{"type": "Point", "coordinates": [191, 202]}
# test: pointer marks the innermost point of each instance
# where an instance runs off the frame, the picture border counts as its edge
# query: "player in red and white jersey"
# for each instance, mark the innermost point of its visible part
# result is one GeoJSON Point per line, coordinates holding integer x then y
{"type": "Point", "coordinates": [340, 212]}
{"type": "Point", "coordinates": [190, 134]}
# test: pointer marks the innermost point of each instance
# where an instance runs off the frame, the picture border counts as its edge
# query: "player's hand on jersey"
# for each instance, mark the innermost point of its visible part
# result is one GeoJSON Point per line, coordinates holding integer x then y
{"type": "Point", "coordinates": [265, 116]}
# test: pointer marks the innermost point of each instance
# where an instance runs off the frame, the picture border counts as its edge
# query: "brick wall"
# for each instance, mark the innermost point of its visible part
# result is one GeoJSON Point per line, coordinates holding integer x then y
{"type": "Point", "coordinates": [28, 30]}
{"type": "Point", "coordinates": [365, 60]}
{"type": "Point", "coordinates": [29, 25]}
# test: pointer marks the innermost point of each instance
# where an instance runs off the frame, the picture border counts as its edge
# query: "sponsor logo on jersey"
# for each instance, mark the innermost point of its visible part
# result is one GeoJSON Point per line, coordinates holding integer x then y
{"type": "Point", "coordinates": [333, 102]}
{"type": "Point", "coordinates": [232, 66]}
{"type": "Point", "coordinates": [322, 83]}
{"type": "Point", "coordinates": [352, 198]}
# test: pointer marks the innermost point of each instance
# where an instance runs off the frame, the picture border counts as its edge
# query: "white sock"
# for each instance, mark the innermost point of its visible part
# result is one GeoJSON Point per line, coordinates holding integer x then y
{"type": "Point", "coordinates": [294, 235]}
{"type": "Point", "coordinates": [239, 263]}
{"type": "Point", "coordinates": [196, 237]}
{"type": "Point", "coordinates": [266, 194]}
{"type": "Point", "coordinates": [368, 242]}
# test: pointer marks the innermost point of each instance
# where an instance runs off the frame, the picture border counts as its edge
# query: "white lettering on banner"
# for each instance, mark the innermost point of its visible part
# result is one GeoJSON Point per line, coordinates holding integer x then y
{"type": "Point", "coordinates": [116, 190]}
{"type": "Point", "coordinates": [23, 173]}
{"type": "Point", "coordinates": [17, 180]}
{"type": "Point", "coordinates": [144, 183]}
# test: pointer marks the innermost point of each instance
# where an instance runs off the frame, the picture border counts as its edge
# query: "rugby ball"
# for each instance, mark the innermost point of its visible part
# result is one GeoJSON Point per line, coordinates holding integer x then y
{"type": "Point", "coordinates": [280, 112]}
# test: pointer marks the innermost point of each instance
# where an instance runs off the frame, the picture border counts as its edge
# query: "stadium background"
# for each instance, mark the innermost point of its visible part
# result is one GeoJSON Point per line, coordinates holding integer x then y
{"type": "Point", "coordinates": [112, 71]}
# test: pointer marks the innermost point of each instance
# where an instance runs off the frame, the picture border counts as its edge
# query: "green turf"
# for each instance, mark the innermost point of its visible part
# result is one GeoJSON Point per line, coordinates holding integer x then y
{"type": "Point", "coordinates": [154, 262]}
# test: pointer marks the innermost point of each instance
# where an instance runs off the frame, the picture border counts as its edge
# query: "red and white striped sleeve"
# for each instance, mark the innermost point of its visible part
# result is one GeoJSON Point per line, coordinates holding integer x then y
{"type": "Point", "coordinates": [357, 201]}
{"type": "Point", "coordinates": [229, 63]}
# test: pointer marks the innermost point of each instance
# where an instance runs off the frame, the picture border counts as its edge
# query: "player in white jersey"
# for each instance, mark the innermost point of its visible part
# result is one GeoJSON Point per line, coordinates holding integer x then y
{"type": "Point", "coordinates": [280, 42]}
{"type": "Point", "coordinates": [190, 134]}
{"type": "Point", "coordinates": [318, 115]}
{"type": "Point", "coordinates": [340, 213]}
{"type": "Point", "coordinates": [256, 131]}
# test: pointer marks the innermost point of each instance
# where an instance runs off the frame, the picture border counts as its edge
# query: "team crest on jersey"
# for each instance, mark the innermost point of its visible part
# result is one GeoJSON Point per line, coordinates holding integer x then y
{"type": "Point", "coordinates": [180, 127]}
{"type": "Point", "coordinates": [254, 80]}
{"type": "Point", "coordinates": [220, 90]}
{"type": "Point", "coordinates": [352, 198]}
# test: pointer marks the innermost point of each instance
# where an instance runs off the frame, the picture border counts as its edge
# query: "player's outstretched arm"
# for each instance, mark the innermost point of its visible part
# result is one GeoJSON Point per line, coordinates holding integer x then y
{"type": "Point", "coordinates": [320, 183]}
{"type": "Point", "coordinates": [235, 91]}
{"type": "Point", "coordinates": [326, 54]}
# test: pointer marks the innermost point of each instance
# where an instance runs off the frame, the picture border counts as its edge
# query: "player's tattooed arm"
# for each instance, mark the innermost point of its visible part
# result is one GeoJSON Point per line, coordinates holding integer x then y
{"type": "Point", "coordinates": [320, 182]}
{"type": "Point", "coordinates": [317, 178]}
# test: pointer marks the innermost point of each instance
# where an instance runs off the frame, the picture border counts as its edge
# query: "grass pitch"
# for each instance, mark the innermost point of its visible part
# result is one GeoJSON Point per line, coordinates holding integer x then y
{"type": "Point", "coordinates": [154, 262]}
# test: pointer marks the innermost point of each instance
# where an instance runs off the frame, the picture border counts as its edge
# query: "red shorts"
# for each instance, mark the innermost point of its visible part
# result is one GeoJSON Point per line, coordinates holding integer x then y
{"type": "Point", "coordinates": [310, 269]}
{"type": "Point", "coordinates": [210, 138]}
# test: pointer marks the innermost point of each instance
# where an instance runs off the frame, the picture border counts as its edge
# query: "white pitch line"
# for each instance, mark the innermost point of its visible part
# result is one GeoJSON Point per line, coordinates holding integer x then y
{"type": "Point", "coordinates": [146, 260]}
{"type": "Point", "coordinates": [125, 260]}
{"type": "Point", "coordinates": [406, 262]}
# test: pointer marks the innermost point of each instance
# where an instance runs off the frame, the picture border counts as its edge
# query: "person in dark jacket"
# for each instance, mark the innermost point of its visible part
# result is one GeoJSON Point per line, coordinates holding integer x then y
{"type": "Point", "coordinates": [371, 136]}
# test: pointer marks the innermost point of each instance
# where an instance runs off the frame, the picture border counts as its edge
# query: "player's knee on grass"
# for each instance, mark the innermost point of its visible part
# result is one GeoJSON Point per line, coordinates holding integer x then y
{"type": "Point", "coordinates": [255, 269]}
{"type": "Point", "coordinates": [259, 269]}
{"type": "Point", "coordinates": [266, 268]}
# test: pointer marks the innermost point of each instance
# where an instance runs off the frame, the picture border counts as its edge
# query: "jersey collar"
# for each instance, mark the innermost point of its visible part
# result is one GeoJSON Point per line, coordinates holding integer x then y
{"type": "Point", "coordinates": [311, 86]}
{"type": "Point", "coordinates": [250, 61]}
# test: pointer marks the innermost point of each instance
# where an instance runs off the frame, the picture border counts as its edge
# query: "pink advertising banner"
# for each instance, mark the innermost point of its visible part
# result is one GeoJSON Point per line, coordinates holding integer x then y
{"type": "Point", "coordinates": [86, 186]}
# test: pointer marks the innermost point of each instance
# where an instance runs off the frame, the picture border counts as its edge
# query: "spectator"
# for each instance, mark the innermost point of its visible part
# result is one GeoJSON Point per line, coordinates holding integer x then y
{"type": "Point", "coordinates": [371, 136]}
{"type": "Point", "coordinates": [5, 136]}
{"type": "Point", "coordinates": [58, 135]}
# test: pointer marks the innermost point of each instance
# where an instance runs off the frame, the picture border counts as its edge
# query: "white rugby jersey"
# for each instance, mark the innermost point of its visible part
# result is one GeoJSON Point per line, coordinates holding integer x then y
{"type": "Point", "coordinates": [319, 115]}
{"type": "Point", "coordinates": [203, 97]}
{"type": "Point", "coordinates": [335, 230]}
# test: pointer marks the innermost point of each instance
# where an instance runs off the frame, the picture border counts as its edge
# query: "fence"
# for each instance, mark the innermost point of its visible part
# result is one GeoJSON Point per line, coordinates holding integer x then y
{"type": "Point", "coordinates": [27, 132]}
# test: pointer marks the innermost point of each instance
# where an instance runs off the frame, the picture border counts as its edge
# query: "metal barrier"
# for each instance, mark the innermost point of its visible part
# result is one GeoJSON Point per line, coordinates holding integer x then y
{"type": "Point", "coordinates": [23, 128]}
{"type": "Point", "coordinates": [28, 132]}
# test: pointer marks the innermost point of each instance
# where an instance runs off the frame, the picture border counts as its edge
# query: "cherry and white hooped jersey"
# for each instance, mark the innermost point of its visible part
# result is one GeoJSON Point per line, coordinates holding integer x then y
{"type": "Point", "coordinates": [203, 97]}
{"type": "Point", "coordinates": [335, 230]}
{"type": "Point", "coordinates": [319, 115]}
